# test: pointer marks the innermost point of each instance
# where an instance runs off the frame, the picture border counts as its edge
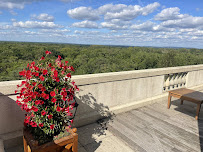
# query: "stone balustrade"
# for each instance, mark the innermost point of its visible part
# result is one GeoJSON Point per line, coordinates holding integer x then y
{"type": "Point", "coordinates": [174, 81]}
{"type": "Point", "coordinates": [103, 94]}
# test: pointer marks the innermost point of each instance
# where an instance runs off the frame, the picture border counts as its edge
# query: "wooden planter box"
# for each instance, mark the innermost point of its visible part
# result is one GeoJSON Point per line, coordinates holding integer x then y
{"type": "Point", "coordinates": [65, 144]}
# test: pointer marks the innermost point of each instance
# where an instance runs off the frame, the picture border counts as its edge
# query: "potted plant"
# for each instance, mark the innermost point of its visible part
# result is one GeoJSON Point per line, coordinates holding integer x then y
{"type": "Point", "coordinates": [47, 95]}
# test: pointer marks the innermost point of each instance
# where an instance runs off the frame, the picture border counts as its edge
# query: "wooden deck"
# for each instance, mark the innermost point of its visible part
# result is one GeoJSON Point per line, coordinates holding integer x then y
{"type": "Point", "coordinates": [155, 128]}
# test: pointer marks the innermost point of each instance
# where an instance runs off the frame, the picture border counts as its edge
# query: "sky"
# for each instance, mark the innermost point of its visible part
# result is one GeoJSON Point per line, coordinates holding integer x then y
{"type": "Point", "coordinates": [160, 23]}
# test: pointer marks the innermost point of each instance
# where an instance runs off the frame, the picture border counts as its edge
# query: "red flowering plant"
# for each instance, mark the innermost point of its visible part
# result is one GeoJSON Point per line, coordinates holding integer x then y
{"type": "Point", "coordinates": [47, 95]}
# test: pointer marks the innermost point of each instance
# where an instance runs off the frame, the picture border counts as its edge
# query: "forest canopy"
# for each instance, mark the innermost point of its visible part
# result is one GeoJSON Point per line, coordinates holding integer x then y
{"type": "Point", "coordinates": [89, 59]}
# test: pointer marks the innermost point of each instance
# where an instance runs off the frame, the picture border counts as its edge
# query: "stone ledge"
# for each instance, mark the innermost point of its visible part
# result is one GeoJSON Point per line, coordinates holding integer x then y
{"type": "Point", "coordinates": [124, 75]}
{"type": "Point", "coordinates": [118, 76]}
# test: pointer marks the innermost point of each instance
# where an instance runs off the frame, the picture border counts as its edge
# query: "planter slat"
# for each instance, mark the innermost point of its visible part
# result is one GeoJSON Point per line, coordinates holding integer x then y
{"type": "Point", "coordinates": [65, 144]}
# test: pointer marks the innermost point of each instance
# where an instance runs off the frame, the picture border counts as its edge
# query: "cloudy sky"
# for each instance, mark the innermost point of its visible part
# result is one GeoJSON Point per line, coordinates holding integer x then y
{"type": "Point", "coordinates": [177, 23]}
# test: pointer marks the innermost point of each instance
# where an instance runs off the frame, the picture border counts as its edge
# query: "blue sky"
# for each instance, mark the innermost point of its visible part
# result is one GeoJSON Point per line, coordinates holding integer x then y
{"type": "Point", "coordinates": [176, 23]}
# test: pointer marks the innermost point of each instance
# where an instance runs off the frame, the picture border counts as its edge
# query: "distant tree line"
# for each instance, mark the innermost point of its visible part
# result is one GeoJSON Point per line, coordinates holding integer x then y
{"type": "Point", "coordinates": [88, 59]}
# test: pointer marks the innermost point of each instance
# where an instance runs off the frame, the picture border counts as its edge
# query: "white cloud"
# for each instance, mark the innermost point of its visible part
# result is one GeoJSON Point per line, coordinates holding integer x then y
{"type": "Point", "coordinates": [116, 24]}
{"type": "Point", "coordinates": [170, 14]}
{"type": "Point", "coordinates": [85, 24]}
{"type": "Point", "coordinates": [198, 33]}
{"type": "Point", "coordinates": [86, 32]}
{"type": "Point", "coordinates": [150, 8]}
{"type": "Point", "coordinates": [110, 11]}
{"type": "Point", "coordinates": [61, 31]}
{"type": "Point", "coordinates": [83, 13]}
{"type": "Point", "coordinates": [150, 26]}
{"type": "Point", "coordinates": [30, 32]}
{"type": "Point", "coordinates": [113, 26]}
{"type": "Point", "coordinates": [79, 32]}
{"type": "Point", "coordinates": [43, 17]}
{"type": "Point", "coordinates": [35, 24]}
{"type": "Point", "coordinates": [13, 20]}
{"type": "Point", "coordinates": [119, 22]}
{"type": "Point", "coordinates": [128, 13]}
{"type": "Point", "coordinates": [188, 22]}
{"type": "Point", "coordinates": [146, 26]}
{"type": "Point", "coordinates": [5, 27]}
{"type": "Point", "coordinates": [187, 30]}
{"type": "Point", "coordinates": [11, 5]}
{"type": "Point", "coordinates": [131, 12]}
{"type": "Point", "coordinates": [15, 4]}
{"type": "Point", "coordinates": [111, 8]}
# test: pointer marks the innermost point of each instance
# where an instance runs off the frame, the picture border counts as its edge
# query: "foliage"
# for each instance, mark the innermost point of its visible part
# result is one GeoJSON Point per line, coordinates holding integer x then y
{"type": "Point", "coordinates": [89, 59]}
{"type": "Point", "coordinates": [47, 96]}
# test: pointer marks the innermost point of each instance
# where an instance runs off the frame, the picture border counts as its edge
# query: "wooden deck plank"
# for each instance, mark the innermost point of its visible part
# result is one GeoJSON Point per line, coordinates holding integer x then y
{"type": "Point", "coordinates": [155, 128]}
{"type": "Point", "coordinates": [171, 131]}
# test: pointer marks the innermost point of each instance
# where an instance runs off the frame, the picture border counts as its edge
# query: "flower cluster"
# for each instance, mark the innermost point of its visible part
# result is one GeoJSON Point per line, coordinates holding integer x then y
{"type": "Point", "coordinates": [47, 94]}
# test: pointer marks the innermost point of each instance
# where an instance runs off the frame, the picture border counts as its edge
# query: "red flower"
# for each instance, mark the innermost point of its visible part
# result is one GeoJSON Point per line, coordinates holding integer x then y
{"type": "Point", "coordinates": [34, 124]}
{"type": "Point", "coordinates": [55, 73]}
{"type": "Point", "coordinates": [36, 68]}
{"type": "Point", "coordinates": [52, 127]}
{"type": "Point", "coordinates": [43, 89]}
{"type": "Point", "coordinates": [45, 96]}
{"type": "Point", "coordinates": [35, 109]}
{"type": "Point", "coordinates": [22, 73]}
{"type": "Point", "coordinates": [43, 113]}
{"type": "Point", "coordinates": [45, 72]}
{"type": "Point", "coordinates": [40, 86]}
{"type": "Point", "coordinates": [37, 102]}
{"type": "Point", "coordinates": [34, 83]}
{"type": "Point", "coordinates": [33, 63]}
{"type": "Point", "coordinates": [41, 77]}
{"type": "Point", "coordinates": [36, 74]}
{"type": "Point", "coordinates": [76, 87]}
{"type": "Point", "coordinates": [71, 121]}
{"type": "Point", "coordinates": [41, 125]}
{"type": "Point", "coordinates": [31, 123]}
{"type": "Point", "coordinates": [58, 109]}
{"type": "Point", "coordinates": [57, 79]}
{"type": "Point", "coordinates": [26, 121]}
{"type": "Point", "coordinates": [69, 75]}
{"type": "Point", "coordinates": [66, 62]}
{"type": "Point", "coordinates": [42, 58]}
{"type": "Point", "coordinates": [71, 68]}
{"type": "Point", "coordinates": [53, 100]}
{"type": "Point", "coordinates": [50, 116]}
{"type": "Point", "coordinates": [59, 57]}
{"type": "Point", "coordinates": [49, 65]}
{"type": "Point", "coordinates": [52, 93]}
{"type": "Point", "coordinates": [47, 52]}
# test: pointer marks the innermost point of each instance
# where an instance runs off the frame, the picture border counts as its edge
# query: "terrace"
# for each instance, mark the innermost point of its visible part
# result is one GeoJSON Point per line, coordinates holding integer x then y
{"type": "Point", "coordinates": [136, 101]}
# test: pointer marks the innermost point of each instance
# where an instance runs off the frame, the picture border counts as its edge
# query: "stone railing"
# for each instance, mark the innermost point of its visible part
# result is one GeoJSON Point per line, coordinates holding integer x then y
{"type": "Point", "coordinates": [103, 94]}
{"type": "Point", "coordinates": [174, 81]}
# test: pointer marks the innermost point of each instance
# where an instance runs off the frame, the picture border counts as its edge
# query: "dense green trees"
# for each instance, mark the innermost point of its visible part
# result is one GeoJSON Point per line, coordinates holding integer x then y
{"type": "Point", "coordinates": [88, 59]}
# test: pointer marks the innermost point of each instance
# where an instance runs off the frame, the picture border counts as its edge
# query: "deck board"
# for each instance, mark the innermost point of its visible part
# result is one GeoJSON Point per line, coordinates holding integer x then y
{"type": "Point", "coordinates": [154, 128]}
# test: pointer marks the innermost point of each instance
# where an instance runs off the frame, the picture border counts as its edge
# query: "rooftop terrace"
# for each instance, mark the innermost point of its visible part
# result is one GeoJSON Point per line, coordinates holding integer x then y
{"type": "Point", "coordinates": [151, 128]}
{"type": "Point", "coordinates": [136, 101]}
